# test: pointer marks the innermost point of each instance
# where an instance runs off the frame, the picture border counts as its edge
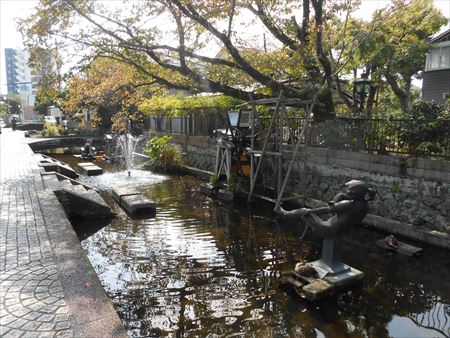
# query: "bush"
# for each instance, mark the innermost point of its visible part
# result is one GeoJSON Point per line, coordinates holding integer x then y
{"type": "Point", "coordinates": [50, 129]}
{"type": "Point", "coordinates": [431, 130]}
{"type": "Point", "coordinates": [340, 134]}
{"type": "Point", "coordinates": [164, 156]}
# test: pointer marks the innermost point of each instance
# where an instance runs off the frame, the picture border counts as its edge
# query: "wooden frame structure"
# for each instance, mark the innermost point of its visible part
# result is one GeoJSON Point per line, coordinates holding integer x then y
{"type": "Point", "coordinates": [259, 155]}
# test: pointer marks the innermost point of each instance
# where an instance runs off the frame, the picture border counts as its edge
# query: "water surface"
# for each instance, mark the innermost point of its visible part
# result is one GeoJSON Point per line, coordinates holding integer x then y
{"type": "Point", "coordinates": [202, 268]}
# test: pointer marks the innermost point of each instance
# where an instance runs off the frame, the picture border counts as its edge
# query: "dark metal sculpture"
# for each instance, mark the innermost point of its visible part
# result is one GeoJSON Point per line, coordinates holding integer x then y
{"type": "Point", "coordinates": [87, 152]}
{"type": "Point", "coordinates": [345, 210]}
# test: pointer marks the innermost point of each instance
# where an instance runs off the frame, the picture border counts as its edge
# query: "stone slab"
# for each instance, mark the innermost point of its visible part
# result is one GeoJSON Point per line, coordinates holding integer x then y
{"type": "Point", "coordinates": [85, 164]}
{"type": "Point", "coordinates": [118, 193]}
{"type": "Point", "coordinates": [314, 289]}
{"type": "Point", "coordinates": [86, 203]}
{"type": "Point", "coordinates": [48, 166]}
{"type": "Point", "coordinates": [51, 182]}
{"type": "Point", "coordinates": [59, 167]}
{"type": "Point", "coordinates": [89, 169]}
{"type": "Point", "coordinates": [137, 203]}
{"type": "Point", "coordinates": [403, 248]}
{"type": "Point", "coordinates": [67, 171]}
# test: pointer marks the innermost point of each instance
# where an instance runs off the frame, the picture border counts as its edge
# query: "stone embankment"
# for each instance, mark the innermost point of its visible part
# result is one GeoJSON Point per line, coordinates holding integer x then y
{"type": "Point", "coordinates": [47, 284]}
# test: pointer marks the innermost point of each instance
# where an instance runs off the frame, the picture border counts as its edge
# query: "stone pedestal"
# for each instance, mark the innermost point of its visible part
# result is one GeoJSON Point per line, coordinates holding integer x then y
{"type": "Point", "coordinates": [332, 274]}
{"type": "Point", "coordinates": [315, 288]}
{"type": "Point", "coordinates": [330, 263]}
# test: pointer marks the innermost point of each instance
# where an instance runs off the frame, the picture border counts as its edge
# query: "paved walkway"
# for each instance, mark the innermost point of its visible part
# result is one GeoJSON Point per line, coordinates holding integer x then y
{"type": "Point", "coordinates": [47, 286]}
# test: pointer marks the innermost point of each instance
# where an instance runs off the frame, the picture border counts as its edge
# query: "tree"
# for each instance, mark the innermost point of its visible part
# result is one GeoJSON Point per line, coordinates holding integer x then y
{"type": "Point", "coordinates": [173, 52]}
{"type": "Point", "coordinates": [108, 89]}
{"type": "Point", "coordinates": [395, 53]}
{"type": "Point", "coordinates": [293, 48]}
{"type": "Point", "coordinates": [10, 104]}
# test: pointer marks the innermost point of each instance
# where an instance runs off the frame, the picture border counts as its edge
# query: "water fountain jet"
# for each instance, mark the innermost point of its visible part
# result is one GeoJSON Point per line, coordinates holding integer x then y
{"type": "Point", "coordinates": [125, 147]}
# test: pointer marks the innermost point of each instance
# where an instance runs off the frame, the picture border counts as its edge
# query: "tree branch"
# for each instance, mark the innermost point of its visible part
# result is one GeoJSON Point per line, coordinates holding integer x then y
{"type": "Point", "coordinates": [277, 32]}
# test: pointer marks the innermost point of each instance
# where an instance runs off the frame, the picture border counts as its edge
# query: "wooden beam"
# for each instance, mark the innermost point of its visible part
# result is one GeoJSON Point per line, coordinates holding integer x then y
{"type": "Point", "coordinates": [265, 145]}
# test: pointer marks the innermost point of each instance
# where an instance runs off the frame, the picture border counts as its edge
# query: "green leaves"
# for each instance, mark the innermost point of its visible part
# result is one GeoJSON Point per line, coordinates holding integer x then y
{"type": "Point", "coordinates": [163, 154]}
{"type": "Point", "coordinates": [182, 105]}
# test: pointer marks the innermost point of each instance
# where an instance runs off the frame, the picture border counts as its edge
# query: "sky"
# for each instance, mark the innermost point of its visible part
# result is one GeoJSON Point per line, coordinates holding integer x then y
{"type": "Point", "coordinates": [11, 10]}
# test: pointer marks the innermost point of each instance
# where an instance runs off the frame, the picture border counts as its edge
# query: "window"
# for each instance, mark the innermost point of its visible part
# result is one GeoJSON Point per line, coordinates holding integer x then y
{"type": "Point", "coordinates": [438, 58]}
{"type": "Point", "coordinates": [445, 57]}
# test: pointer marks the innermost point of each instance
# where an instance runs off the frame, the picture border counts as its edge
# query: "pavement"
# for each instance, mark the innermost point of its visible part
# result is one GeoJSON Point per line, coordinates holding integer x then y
{"type": "Point", "coordinates": [48, 287]}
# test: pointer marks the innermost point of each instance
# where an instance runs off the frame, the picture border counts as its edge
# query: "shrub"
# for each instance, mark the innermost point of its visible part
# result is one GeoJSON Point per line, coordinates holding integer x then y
{"type": "Point", "coordinates": [50, 129]}
{"type": "Point", "coordinates": [164, 155]}
{"type": "Point", "coordinates": [234, 183]}
{"type": "Point", "coordinates": [431, 130]}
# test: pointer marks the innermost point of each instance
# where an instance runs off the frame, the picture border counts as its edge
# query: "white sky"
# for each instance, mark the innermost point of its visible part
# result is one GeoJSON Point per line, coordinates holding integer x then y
{"type": "Point", "coordinates": [10, 10]}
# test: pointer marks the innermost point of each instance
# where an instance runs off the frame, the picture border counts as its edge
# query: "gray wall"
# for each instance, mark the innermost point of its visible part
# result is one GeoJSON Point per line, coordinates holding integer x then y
{"type": "Point", "coordinates": [435, 83]}
{"type": "Point", "coordinates": [415, 191]}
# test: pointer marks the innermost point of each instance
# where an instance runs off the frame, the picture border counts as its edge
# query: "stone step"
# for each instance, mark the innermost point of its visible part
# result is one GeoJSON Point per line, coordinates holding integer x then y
{"type": "Point", "coordinates": [78, 187]}
{"type": "Point", "coordinates": [51, 182]}
{"type": "Point", "coordinates": [89, 169]}
{"type": "Point", "coordinates": [138, 204]}
{"type": "Point", "coordinates": [86, 203]}
{"type": "Point", "coordinates": [118, 193]}
{"type": "Point", "coordinates": [65, 184]}
{"type": "Point", "coordinates": [60, 167]}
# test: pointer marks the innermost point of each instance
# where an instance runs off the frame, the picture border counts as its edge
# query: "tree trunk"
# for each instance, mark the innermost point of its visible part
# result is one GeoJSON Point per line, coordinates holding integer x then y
{"type": "Point", "coordinates": [402, 95]}
{"type": "Point", "coordinates": [370, 101]}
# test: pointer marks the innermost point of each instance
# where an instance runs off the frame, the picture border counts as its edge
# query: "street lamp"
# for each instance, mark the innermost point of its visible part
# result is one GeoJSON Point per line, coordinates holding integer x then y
{"type": "Point", "coordinates": [361, 87]}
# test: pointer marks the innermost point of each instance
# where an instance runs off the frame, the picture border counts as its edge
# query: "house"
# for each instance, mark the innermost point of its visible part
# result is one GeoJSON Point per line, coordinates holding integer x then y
{"type": "Point", "coordinates": [436, 77]}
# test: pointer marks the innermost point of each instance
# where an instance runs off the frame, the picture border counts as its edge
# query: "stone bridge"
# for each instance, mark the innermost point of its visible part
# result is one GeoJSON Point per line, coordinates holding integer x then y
{"type": "Point", "coordinates": [63, 142]}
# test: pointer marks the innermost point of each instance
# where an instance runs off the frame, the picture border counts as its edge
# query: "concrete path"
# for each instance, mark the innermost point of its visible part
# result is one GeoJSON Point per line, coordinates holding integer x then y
{"type": "Point", "coordinates": [47, 286]}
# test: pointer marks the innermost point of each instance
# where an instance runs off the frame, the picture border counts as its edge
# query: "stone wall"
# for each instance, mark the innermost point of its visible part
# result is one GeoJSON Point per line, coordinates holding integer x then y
{"type": "Point", "coordinates": [200, 151]}
{"type": "Point", "coordinates": [414, 191]}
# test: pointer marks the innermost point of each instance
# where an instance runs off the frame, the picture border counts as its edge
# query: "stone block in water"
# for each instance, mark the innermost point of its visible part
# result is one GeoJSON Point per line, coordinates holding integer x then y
{"type": "Point", "coordinates": [208, 189]}
{"type": "Point", "coordinates": [225, 195]}
{"type": "Point", "coordinates": [137, 203]}
{"type": "Point", "coordinates": [118, 193]}
{"type": "Point", "coordinates": [89, 169]}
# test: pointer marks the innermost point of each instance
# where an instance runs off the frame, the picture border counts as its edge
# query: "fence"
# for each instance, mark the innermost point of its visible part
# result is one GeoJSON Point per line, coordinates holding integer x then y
{"type": "Point", "coordinates": [198, 125]}
{"type": "Point", "coordinates": [422, 137]}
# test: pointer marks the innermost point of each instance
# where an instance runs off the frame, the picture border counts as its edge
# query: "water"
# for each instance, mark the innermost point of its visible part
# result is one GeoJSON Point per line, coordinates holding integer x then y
{"type": "Point", "coordinates": [126, 145]}
{"type": "Point", "coordinates": [201, 268]}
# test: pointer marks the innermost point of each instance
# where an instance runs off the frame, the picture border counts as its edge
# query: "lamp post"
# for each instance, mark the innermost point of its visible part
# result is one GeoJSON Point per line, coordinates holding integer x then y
{"type": "Point", "coordinates": [361, 87]}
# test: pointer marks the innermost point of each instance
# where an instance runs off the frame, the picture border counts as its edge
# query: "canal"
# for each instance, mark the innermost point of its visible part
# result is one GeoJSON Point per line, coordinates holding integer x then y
{"type": "Point", "coordinates": [207, 269]}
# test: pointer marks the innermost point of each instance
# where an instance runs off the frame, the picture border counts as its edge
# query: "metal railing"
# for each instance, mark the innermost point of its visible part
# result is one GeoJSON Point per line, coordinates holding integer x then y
{"type": "Point", "coordinates": [402, 136]}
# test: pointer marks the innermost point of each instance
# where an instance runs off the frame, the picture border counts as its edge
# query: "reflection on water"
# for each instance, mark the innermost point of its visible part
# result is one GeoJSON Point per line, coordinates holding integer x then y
{"type": "Point", "coordinates": [204, 269]}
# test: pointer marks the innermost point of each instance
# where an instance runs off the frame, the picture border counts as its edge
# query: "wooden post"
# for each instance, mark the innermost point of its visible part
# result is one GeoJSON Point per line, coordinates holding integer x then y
{"type": "Point", "coordinates": [297, 146]}
{"type": "Point", "coordinates": [216, 171]}
{"type": "Point", "coordinates": [252, 139]}
{"type": "Point", "coordinates": [228, 159]}
{"type": "Point", "coordinates": [277, 107]}
{"type": "Point", "coordinates": [280, 145]}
